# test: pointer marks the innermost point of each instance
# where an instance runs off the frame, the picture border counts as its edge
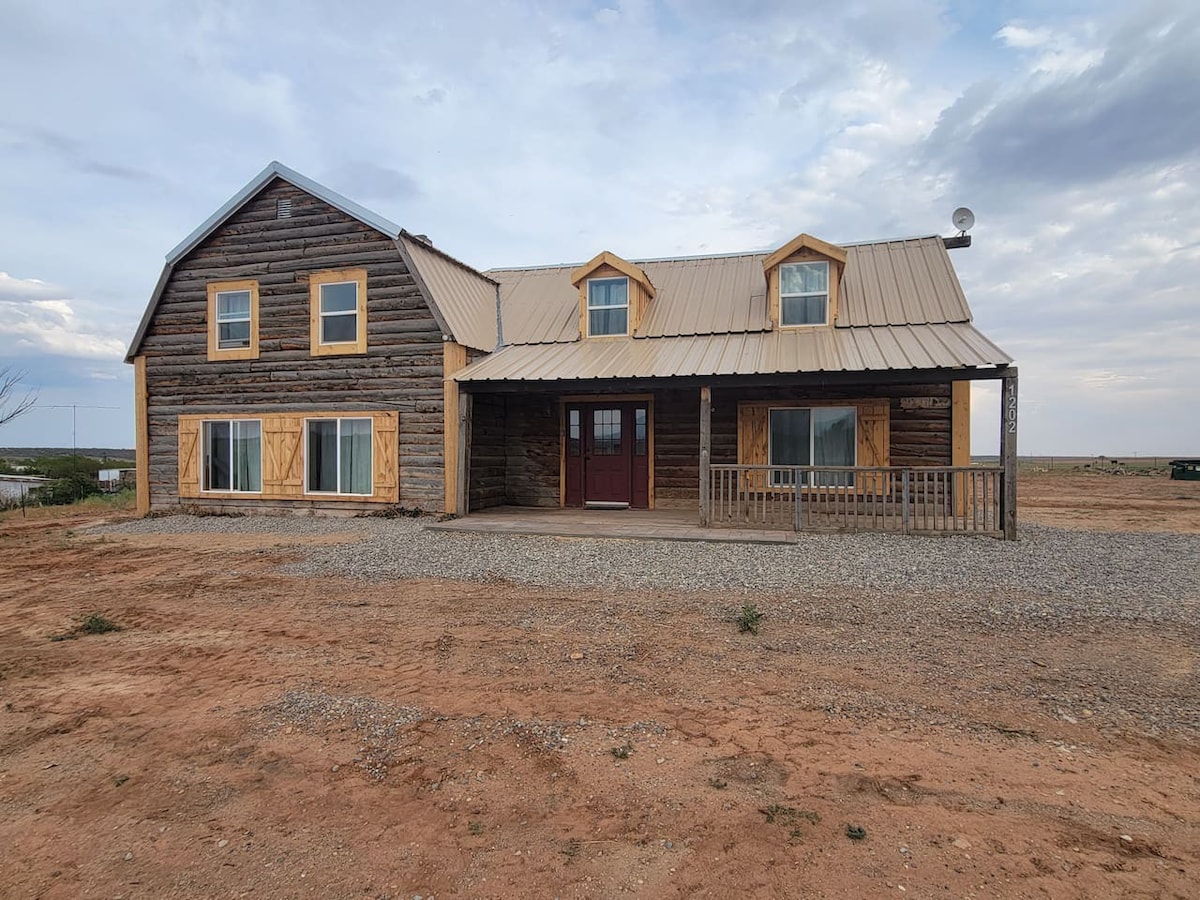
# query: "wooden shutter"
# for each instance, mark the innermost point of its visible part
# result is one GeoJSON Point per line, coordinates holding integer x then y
{"type": "Point", "coordinates": [752, 434]}
{"type": "Point", "coordinates": [189, 456]}
{"type": "Point", "coordinates": [283, 457]}
{"type": "Point", "coordinates": [874, 444]}
{"type": "Point", "coordinates": [385, 457]}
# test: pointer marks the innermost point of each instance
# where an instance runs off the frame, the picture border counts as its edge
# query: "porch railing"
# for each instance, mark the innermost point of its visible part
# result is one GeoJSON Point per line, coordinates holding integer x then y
{"type": "Point", "coordinates": [926, 499]}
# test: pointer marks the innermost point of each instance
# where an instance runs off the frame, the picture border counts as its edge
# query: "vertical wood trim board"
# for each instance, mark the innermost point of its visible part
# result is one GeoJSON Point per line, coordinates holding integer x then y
{"type": "Point", "coordinates": [141, 425]}
{"type": "Point", "coordinates": [454, 359]}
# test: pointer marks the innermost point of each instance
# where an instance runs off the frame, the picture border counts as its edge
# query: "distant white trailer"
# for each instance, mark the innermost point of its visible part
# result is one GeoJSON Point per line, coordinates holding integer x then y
{"type": "Point", "coordinates": [13, 488]}
{"type": "Point", "coordinates": [114, 479]}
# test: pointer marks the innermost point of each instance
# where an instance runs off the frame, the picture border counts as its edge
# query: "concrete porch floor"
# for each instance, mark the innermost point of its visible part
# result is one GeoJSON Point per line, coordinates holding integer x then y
{"type": "Point", "coordinates": [628, 524]}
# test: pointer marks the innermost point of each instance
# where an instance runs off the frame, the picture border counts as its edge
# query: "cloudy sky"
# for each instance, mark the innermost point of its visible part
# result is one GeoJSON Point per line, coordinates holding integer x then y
{"type": "Point", "coordinates": [524, 132]}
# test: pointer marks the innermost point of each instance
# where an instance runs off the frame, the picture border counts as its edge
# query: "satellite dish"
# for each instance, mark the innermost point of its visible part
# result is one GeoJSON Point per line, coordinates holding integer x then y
{"type": "Point", "coordinates": [963, 219]}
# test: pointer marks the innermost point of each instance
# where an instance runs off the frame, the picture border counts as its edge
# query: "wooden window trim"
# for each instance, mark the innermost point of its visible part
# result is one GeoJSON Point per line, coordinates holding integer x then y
{"type": "Point", "coordinates": [220, 287]}
{"type": "Point", "coordinates": [337, 276]}
{"type": "Point", "coordinates": [385, 481]}
{"type": "Point", "coordinates": [812, 443]}
{"type": "Point", "coordinates": [836, 271]}
{"type": "Point", "coordinates": [829, 275]}
{"type": "Point", "coordinates": [206, 492]}
{"type": "Point", "coordinates": [587, 307]}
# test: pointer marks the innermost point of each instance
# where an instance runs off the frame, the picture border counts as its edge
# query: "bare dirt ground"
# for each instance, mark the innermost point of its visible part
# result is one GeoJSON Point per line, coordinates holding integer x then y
{"type": "Point", "coordinates": [1109, 502]}
{"type": "Point", "coordinates": [253, 734]}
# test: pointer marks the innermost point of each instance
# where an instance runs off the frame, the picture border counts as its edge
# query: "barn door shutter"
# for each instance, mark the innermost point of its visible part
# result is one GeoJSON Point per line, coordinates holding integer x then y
{"type": "Point", "coordinates": [385, 457]}
{"type": "Point", "coordinates": [189, 456]}
{"type": "Point", "coordinates": [283, 456]}
{"type": "Point", "coordinates": [874, 446]}
{"type": "Point", "coordinates": [291, 456]}
{"type": "Point", "coordinates": [752, 434]}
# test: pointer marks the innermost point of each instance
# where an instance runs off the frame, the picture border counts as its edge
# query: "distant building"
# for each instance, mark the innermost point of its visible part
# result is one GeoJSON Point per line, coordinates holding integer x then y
{"type": "Point", "coordinates": [13, 488]}
{"type": "Point", "coordinates": [116, 479]}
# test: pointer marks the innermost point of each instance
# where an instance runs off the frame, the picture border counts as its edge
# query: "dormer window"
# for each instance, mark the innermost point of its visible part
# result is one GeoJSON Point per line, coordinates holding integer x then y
{"type": "Point", "coordinates": [608, 306]}
{"type": "Point", "coordinates": [803, 278]}
{"type": "Point", "coordinates": [804, 293]}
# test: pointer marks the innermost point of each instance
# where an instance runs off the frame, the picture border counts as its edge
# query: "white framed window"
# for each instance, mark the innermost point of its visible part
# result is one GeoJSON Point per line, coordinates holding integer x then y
{"type": "Point", "coordinates": [232, 456]}
{"type": "Point", "coordinates": [816, 436]}
{"type": "Point", "coordinates": [338, 456]}
{"type": "Point", "coordinates": [338, 308]}
{"type": "Point", "coordinates": [233, 319]}
{"type": "Point", "coordinates": [608, 306]}
{"type": "Point", "coordinates": [339, 312]}
{"type": "Point", "coordinates": [804, 293]}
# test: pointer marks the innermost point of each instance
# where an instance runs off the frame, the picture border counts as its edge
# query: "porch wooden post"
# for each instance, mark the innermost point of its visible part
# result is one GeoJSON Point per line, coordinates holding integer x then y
{"type": "Point", "coordinates": [462, 500]}
{"type": "Point", "coordinates": [705, 454]}
{"type": "Point", "coordinates": [1008, 454]}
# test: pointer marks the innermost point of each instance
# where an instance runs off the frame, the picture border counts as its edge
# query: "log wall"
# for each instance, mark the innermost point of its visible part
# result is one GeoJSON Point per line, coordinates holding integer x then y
{"type": "Point", "coordinates": [401, 370]}
{"type": "Point", "coordinates": [526, 425]}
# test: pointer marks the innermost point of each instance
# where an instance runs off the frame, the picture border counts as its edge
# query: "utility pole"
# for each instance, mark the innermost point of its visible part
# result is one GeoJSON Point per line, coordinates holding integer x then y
{"type": "Point", "coordinates": [74, 452]}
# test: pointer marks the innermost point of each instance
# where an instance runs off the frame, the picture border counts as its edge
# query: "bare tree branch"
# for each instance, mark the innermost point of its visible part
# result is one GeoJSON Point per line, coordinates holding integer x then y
{"type": "Point", "coordinates": [10, 406]}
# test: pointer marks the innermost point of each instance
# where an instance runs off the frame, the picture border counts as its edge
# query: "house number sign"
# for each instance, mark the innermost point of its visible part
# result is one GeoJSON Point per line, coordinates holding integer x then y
{"type": "Point", "coordinates": [1010, 405]}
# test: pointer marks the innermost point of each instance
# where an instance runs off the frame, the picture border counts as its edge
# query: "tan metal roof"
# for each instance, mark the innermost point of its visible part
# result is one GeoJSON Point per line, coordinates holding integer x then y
{"type": "Point", "coordinates": [465, 298]}
{"type": "Point", "coordinates": [873, 348]}
{"type": "Point", "coordinates": [903, 282]}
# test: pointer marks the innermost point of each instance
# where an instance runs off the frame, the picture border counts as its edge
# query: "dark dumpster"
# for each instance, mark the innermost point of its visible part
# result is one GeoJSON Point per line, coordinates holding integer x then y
{"type": "Point", "coordinates": [1185, 469]}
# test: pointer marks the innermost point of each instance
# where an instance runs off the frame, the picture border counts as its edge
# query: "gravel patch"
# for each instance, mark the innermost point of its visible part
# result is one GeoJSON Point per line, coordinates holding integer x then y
{"type": "Point", "coordinates": [1049, 575]}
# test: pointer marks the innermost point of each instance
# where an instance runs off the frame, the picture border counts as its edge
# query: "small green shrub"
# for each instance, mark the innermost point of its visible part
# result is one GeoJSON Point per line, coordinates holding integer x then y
{"type": "Point", "coordinates": [97, 624]}
{"type": "Point", "coordinates": [476, 828]}
{"type": "Point", "coordinates": [90, 624]}
{"type": "Point", "coordinates": [623, 751]}
{"type": "Point", "coordinates": [749, 618]}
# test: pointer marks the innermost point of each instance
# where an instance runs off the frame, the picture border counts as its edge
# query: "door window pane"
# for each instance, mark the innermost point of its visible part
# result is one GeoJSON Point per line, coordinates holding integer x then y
{"type": "Point", "coordinates": [606, 432]}
{"type": "Point", "coordinates": [639, 431]}
{"type": "Point", "coordinates": [574, 426]}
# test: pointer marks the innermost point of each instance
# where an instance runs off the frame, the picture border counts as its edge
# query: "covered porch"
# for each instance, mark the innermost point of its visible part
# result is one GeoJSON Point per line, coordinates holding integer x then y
{"type": "Point", "coordinates": [691, 459]}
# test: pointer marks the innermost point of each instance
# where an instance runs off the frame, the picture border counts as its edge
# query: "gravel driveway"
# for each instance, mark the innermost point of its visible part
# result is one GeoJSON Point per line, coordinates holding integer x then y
{"type": "Point", "coordinates": [1050, 575]}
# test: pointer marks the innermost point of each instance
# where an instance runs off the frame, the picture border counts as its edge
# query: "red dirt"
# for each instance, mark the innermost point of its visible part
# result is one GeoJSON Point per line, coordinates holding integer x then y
{"type": "Point", "coordinates": [201, 751]}
{"type": "Point", "coordinates": [1099, 502]}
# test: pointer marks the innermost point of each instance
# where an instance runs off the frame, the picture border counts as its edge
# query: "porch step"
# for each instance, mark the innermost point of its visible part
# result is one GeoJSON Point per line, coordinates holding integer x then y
{"type": "Point", "coordinates": [552, 526]}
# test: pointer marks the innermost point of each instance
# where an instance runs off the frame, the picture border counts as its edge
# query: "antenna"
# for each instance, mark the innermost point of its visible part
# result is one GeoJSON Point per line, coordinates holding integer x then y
{"type": "Point", "coordinates": [963, 219]}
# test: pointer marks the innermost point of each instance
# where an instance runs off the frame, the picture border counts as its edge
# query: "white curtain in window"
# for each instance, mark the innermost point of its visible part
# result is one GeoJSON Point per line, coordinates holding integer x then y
{"type": "Point", "coordinates": [247, 456]}
{"type": "Point", "coordinates": [356, 456]}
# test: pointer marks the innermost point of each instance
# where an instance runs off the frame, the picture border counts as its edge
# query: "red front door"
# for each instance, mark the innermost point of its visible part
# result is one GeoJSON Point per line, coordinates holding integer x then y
{"type": "Point", "coordinates": [608, 456]}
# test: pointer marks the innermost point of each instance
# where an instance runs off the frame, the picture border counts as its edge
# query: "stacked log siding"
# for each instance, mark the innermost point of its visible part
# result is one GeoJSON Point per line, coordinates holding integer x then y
{"type": "Point", "coordinates": [401, 370]}
{"type": "Point", "coordinates": [515, 454]}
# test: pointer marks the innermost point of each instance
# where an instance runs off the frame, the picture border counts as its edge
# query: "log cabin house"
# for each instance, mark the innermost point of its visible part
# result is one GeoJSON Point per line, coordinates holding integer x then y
{"type": "Point", "coordinates": [302, 353]}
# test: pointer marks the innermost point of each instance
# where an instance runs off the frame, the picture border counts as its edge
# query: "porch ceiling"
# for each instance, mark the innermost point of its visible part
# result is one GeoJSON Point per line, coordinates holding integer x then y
{"type": "Point", "coordinates": [880, 349]}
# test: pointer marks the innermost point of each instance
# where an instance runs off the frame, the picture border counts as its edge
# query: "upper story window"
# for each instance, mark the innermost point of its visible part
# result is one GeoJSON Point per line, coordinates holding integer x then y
{"type": "Point", "coordinates": [804, 293]}
{"type": "Point", "coordinates": [339, 311]}
{"type": "Point", "coordinates": [608, 306]}
{"type": "Point", "coordinates": [233, 320]}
